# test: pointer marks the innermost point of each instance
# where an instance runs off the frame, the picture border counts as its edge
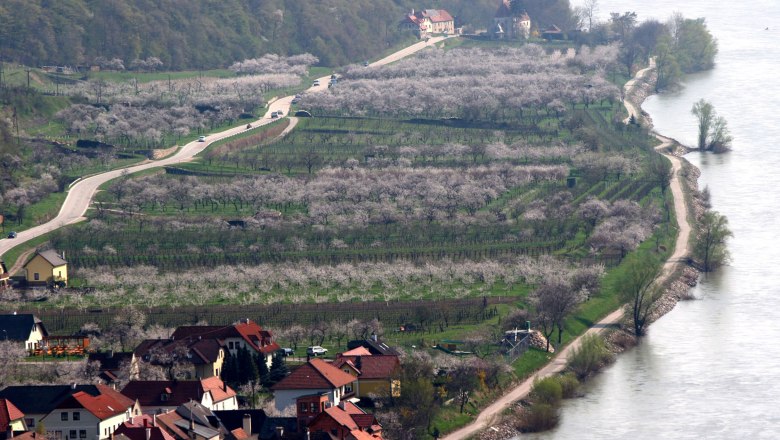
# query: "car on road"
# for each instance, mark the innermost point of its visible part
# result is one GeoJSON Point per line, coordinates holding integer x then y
{"type": "Point", "coordinates": [365, 63]}
{"type": "Point", "coordinates": [274, 115]}
{"type": "Point", "coordinates": [12, 234]}
{"type": "Point", "coordinates": [286, 351]}
{"type": "Point", "coordinates": [295, 101]}
{"type": "Point", "coordinates": [201, 138]}
{"type": "Point", "coordinates": [333, 76]}
{"type": "Point", "coordinates": [316, 350]}
{"type": "Point", "coordinates": [316, 83]}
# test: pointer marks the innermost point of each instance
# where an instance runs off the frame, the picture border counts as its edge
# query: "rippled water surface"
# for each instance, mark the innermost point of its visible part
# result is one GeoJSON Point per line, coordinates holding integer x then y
{"type": "Point", "coordinates": [711, 367]}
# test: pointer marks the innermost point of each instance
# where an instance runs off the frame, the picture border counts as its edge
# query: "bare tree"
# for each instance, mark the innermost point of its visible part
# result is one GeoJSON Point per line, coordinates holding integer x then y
{"type": "Point", "coordinates": [639, 289]}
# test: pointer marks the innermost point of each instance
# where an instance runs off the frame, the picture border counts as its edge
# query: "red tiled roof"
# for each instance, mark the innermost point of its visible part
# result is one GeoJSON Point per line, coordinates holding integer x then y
{"type": "Point", "coordinates": [248, 330]}
{"type": "Point", "coordinates": [105, 405]}
{"type": "Point", "coordinates": [372, 367]}
{"type": "Point", "coordinates": [316, 374]}
{"type": "Point", "coordinates": [359, 351]}
{"type": "Point", "coordinates": [218, 389]}
{"type": "Point", "coordinates": [8, 413]}
{"type": "Point", "coordinates": [168, 421]}
{"type": "Point", "coordinates": [341, 417]}
{"type": "Point", "coordinates": [439, 16]}
{"type": "Point", "coordinates": [239, 434]}
{"type": "Point", "coordinates": [135, 429]}
{"type": "Point", "coordinates": [352, 418]}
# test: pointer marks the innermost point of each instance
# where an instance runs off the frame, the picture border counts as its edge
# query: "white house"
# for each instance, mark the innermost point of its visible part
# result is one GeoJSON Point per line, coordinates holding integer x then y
{"type": "Point", "coordinates": [314, 377]}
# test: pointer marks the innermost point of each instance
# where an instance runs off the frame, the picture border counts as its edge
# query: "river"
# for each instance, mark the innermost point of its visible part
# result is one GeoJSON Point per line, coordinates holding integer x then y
{"type": "Point", "coordinates": [711, 367]}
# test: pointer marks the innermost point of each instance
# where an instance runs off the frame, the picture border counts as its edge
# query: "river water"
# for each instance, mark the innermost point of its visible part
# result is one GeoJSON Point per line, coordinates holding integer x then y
{"type": "Point", "coordinates": [711, 367]}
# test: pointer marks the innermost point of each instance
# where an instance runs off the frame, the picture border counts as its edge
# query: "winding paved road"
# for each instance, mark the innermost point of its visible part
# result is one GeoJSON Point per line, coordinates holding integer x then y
{"type": "Point", "coordinates": [681, 250]}
{"type": "Point", "coordinates": [81, 193]}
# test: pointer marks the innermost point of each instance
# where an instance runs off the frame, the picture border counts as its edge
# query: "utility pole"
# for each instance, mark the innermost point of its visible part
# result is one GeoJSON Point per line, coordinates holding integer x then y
{"type": "Point", "coordinates": [28, 70]}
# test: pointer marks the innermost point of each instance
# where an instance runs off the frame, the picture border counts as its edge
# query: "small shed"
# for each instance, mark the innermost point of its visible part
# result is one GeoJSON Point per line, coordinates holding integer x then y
{"type": "Point", "coordinates": [47, 267]}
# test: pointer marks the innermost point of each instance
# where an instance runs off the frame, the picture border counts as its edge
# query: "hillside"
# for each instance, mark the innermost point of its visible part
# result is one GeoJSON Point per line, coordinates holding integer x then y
{"type": "Point", "coordinates": [203, 34]}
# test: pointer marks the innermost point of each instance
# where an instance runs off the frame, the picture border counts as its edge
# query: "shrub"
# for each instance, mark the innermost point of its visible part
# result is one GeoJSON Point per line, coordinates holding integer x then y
{"type": "Point", "coordinates": [548, 391]}
{"type": "Point", "coordinates": [538, 417]}
{"type": "Point", "coordinates": [569, 385]}
{"type": "Point", "coordinates": [591, 356]}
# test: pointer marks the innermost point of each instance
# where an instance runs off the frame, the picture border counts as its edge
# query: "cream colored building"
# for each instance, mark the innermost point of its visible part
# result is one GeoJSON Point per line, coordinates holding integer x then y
{"type": "Point", "coordinates": [45, 268]}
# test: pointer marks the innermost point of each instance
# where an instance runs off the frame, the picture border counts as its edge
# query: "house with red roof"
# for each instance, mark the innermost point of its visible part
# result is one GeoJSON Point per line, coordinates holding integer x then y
{"type": "Point", "coordinates": [314, 377]}
{"type": "Point", "coordinates": [374, 375]}
{"type": "Point", "coordinates": [144, 427]}
{"type": "Point", "coordinates": [163, 395]}
{"type": "Point", "coordinates": [11, 420]}
{"type": "Point", "coordinates": [67, 410]}
{"type": "Point", "coordinates": [345, 421]}
{"type": "Point", "coordinates": [90, 414]}
{"type": "Point", "coordinates": [243, 334]}
{"type": "Point", "coordinates": [428, 21]}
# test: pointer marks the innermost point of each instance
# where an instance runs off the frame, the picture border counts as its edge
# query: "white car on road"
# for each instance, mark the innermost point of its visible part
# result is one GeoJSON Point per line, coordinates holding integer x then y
{"type": "Point", "coordinates": [316, 350]}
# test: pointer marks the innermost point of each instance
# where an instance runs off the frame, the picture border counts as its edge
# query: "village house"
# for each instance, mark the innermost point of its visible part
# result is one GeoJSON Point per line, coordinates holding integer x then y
{"type": "Point", "coordinates": [374, 375]}
{"type": "Point", "coordinates": [345, 421]}
{"type": "Point", "coordinates": [427, 22]}
{"type": "Point", "coordinates": [45, 268]}
{"type": "Point", "coordinates": [205, 355]}
{"type": "Point", "coordinates": [193, 421]}
{"type": "Point", "coordinates": [243, 334]}
{"type": "Point", "coordinates": [508, 24]}
{"type": "Point", "coordinates": [314, 377]}
{"type": "Point", "coordinates": [11, 420]}
{"type": "Point", "coordinates": [165, 395]}
{"type": "Point", "coordinates": [72, 412]}
{"type": "Point", "coordinates": [24, 328]}
{"type": "Point", "coordinates": [144, 427]}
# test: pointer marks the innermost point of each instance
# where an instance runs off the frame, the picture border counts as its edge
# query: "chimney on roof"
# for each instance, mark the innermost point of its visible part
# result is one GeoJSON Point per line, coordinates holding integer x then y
{"type": "Point", "coordinates": [247, 424]}
{"type": "Point", "coordinates": [374, 337]}
{"type": "Point", "coordinates": [73, 385]}
{"type": "Point", "coordinates": [279, 432]}
{"type": "Point", "coordinates": [148, 433]}
{"type": "Point", "coordinates": [63, 255]}
{"type": "Point", "coordinates": [110, 354]}
{"type": "Point", "coordinates": [154, 419]}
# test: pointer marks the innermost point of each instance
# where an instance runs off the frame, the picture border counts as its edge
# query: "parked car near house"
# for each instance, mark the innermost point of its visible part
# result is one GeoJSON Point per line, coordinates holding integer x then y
{"type": "Point", "coordinates": [316, 350]}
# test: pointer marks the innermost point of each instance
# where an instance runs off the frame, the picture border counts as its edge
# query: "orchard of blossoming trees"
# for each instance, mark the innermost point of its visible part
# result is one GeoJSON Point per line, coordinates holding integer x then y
{"type": "Point", "coordinates": [474, 84]}
{"type": "Point", "coordinates": [147, 114]}
{"type": "Point", "coordinates": [354, 206]}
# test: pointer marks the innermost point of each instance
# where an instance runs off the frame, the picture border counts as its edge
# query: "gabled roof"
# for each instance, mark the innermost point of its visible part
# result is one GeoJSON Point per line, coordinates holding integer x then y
{"type": "Point", "coordinates": [234, 419]}
{"type": "Point", "coordinates": [313, 375]}
{"type": "Point", "coordinates": [357, 351]}
{"type": "Point", "coordinates": [177, 392]}
{"type": "Point", "coordinates": [8, 413]}
{"type": "Point", "coordinates": [371, 367]}
{"type": "Point", "coordinates": [42, 399]}
{"type": "Point", "coordinates": [352, 418]}
{"type": "Point", "coordinates": [246, 329]}
{"type": "Point", "coordinates": [107, 404]}
{"type": "Point", "coordinates": [199, 351]}
{"type": "Point", "coordinates": [51, 257]}
{"type": "Point", "coordinates": [135, 429]}
{"type": "Point", "coordinates": [437, 15]}
{"type": "Point", "coordinates": [18, 327]}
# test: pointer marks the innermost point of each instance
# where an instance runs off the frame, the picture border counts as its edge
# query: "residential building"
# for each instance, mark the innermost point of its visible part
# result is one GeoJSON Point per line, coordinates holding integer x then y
{"type": "Point", "coordinates": [314, 377]}
{"type": "Point", "coordinates": [11, 420]}
{"type": "Point", "coordinates": [205, 355]}
{"type": "Point", "coordinates": [426, 22]}
{"type": "Point", "coordinates": [374, 375]}
{"type": "Point", "coordinates": [166, 395]}
{"type": "Point", "coordinates": [24, 328]}
{"type": "Point", "coordinates": [193, 421]}
{"type": "Point", "coordinates": [243, 334]}
{"type": "Point", "coordinates": [345, 421]}
{"type": "Point", "coordinates": [144, 427]}
{"type": "Point", "coordinates": [374, 345]}
{"type": "Point", "coordinates": [46, 267]}
{"type": "Point", "coordinates": [72, 412]}
{"type": "Point", "coordinates": [510, 25]}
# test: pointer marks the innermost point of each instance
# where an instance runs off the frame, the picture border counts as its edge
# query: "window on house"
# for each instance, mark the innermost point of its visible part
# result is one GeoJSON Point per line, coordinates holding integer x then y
{"type": "Point", "coordinates": [58, 435]}
{"type": "Point", "coordinates": [72, 434]}
{"type": "Point", "coordinates": [64, 417]}
{"type": "Point", "coordinates": [76, 415]}
{"type": "Point", "coordinates": [348, 388]}
{"type": "Point", "coordinates": [164, 397]}
{"type": "Point", "coordinates": [304, 408]}
{"type": "Point", "coordinates": [82, 433]}
{"type": "Point", "coordinates": [36, 276]}
{"type": "Point", "coordinates": [30, 422]}
{"type": "Point", "coordinates": [313, 407]}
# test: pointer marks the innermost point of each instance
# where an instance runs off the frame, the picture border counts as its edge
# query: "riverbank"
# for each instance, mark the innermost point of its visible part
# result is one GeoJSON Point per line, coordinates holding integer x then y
{"type": "Point", "coordinates": [676, 274]}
